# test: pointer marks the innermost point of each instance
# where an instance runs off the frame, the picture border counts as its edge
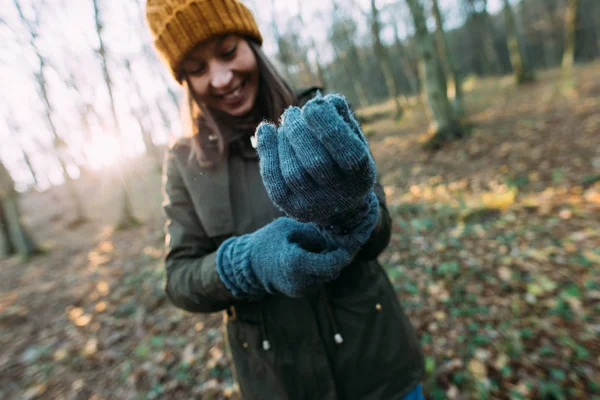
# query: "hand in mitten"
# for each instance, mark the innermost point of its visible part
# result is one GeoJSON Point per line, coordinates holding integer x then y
{"type": "Point", "coordinates": [317, 167]}
{"type": "Point", "coordinates": [286, 256]}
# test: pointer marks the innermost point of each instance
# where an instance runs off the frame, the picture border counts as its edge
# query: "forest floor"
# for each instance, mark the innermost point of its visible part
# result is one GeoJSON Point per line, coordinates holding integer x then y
{"type": "Point", "coordinates": [495, 257]}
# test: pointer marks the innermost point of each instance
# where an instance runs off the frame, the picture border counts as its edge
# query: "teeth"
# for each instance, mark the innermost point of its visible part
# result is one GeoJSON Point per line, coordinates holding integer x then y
{"type": "Point", "coordinates": [233, 94]}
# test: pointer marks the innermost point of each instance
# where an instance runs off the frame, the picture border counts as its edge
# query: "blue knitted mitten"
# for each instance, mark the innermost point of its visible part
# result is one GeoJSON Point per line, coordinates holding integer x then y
{"type": "Point", "coordinates": [286, 257]}
{"type": "Point", "coordinates": [317, 167]}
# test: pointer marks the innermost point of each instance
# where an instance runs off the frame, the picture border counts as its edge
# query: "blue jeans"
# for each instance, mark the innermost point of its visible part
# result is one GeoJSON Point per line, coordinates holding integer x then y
{"type": "Point", "coordinates": [415, 394]}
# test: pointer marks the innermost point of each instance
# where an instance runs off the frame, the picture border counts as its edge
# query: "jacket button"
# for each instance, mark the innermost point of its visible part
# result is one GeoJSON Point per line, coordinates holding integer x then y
{"type": "Point", "coordinates": [378, 307]}
{"type": "Point", "coordinates": [245, 345]}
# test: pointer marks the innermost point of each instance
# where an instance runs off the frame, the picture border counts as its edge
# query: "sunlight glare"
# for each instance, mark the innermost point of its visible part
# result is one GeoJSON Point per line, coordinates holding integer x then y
{"type": "Point", "coordinates": [103, 151]}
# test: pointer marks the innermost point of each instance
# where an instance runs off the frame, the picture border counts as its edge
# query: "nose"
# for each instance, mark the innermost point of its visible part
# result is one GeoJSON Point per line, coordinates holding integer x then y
{"type": "Point", "coordinates": [220, 76]}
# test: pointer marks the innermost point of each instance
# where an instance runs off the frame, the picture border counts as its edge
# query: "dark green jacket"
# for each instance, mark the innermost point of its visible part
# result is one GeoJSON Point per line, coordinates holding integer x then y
{"type": "Point", "coordinates": [285, 348]}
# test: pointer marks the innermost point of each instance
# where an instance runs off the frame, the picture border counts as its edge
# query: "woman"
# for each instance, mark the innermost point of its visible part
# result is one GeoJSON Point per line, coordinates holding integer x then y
{"type": "Point", "coordinates": [311, 314]}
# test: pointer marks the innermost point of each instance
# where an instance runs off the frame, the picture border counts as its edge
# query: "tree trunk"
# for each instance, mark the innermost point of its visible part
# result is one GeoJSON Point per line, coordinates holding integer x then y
{"type": "Point", "coordinates": [27, 160]}
{"type": "Point", "coordinates": [588, 22]}
{"type": "Point", "coordinates": [13, 235]}
{"type": "Point", "coordinates": [151, 149]}
{"type": "Point", "coordinates": [360, 91]}
{"type": "Point", "coordinates": [77, 205]}
{"type": "Point", "coordinates": [570, 30]}
{"type": "Point", "coordinates": [356, 85]}
{"type": "Point", "coordinates": [313, 47]}
{"type": "Point", "coordinates": [164, 117]}
{"type": "Point", "coordinates": [18, 235]}
{"type": "Point", "coordinates": [6, 247]}
{"type": "Point", "coordinates": [451, 68]}
{"type": "Point", "coordinates": [356, 80]}
{"type": "Point", "coordinates": [16, 131]}
{"type": "Point", "coordinates": [349, 57]}
{"type": "Point", "coordinates": [446, 127]}
{"type": "Point", "coordinates": [411, 76]}
{"type": "Point", "coordinates": [521, 69]}
{"type": "Point", "coordinates": [390, 82]}
{"type": "Point", "coordinates": [551, 42]}
{"type": "Point", "coordinates": [492, 60]}
{"type": "Point", "coordinates": [284, 54]}
{"type": "Point", "coordinates": [308, 76]}
{"type": "Point", "coordinates": [485, 59]}
{"type": "Point", "coordinates": [41, 81]}
{"type": "Point", "coordinates": [127, 218]}
{"type": "Point", "coordinates": [320, 69]}
{"type": "Point", "coordinates": [384, 60]}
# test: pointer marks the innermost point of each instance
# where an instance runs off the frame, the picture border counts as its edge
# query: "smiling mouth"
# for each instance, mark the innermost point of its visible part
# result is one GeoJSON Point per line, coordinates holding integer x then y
{"type": "Point", "coordinates": [233, 94]}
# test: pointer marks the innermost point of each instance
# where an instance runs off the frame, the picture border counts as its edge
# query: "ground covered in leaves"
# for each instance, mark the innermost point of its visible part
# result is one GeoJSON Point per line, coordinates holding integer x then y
{"type": "Point", "coordinates": [495, 256]}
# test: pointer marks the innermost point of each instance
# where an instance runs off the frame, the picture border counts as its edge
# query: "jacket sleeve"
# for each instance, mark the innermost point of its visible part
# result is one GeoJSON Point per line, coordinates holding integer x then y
{"type": "Point", "coordinates": [192, 281]}
{"type": "Point", "coordinates": [380, 238]}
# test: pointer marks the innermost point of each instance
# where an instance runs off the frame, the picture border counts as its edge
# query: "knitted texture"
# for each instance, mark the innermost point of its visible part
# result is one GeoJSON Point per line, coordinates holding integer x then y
{"type": "Point", "coordinates": [177, 26]}
{"type": "Point", "coordinates": [317, 167]}
{"type": "Point", "coordinates": [285, 257]}
{"type": "Point", "coordinates": [352, 228]}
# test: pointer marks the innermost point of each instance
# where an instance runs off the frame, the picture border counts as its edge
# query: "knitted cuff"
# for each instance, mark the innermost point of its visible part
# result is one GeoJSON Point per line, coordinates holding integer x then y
{"type": "Point", "coordinates": [352, 229]}
{"type": "Point", "coordinates": [234, 266]}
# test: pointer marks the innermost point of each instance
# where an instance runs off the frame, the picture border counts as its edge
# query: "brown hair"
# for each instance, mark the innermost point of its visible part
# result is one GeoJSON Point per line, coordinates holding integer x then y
{"type": "Point", "coordinates": [207, 128]}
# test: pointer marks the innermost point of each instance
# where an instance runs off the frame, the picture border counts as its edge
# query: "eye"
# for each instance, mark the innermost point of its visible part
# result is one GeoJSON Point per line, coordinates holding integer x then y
{"type": "Point", "coordinates": [196, 69]}
{"type": "Point", "coordinates": [230, 52]}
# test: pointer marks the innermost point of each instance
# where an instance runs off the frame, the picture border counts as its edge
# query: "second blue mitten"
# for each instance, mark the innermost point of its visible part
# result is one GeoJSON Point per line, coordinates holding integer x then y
{"type": "Point", "coordinates": [285, 257]}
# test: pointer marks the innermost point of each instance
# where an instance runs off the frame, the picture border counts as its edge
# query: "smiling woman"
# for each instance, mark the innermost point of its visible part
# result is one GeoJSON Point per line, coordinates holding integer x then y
{"type": "Point", "coordinates": [311, 313]}
{"type": "Point", "coordinates": [222, 78]}
{"type": "Point", "coordinates": [223, 74]}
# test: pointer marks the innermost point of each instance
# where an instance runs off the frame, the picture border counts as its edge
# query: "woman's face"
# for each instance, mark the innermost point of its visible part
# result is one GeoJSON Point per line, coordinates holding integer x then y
{"type": "Point", "coordinates": [223, 74]}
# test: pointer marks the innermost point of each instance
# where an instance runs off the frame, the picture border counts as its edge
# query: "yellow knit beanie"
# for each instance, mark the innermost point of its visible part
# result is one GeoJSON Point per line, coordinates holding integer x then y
{"type": "Point", "coordinates": [177, 26]}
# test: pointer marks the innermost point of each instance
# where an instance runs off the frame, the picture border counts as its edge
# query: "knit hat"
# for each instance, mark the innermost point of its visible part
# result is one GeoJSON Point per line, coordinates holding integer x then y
{"type": "Point", "coordinates": [177, 26]}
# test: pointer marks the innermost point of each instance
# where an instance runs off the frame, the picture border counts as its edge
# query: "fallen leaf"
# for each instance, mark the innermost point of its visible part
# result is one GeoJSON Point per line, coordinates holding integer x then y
{"type": "Point", "coordinates": [35, 391]}
{"type": "Point", "coordinates": [91, 347]}
{"type": "Point", "coordinates": [501, 361]}
{"type": "Point", "coordinates": [83, 320]}
{"type": "Point", "coordinates": [477, 368]}
{"type": "Point", "coordinates": [439, 315]}
{"type": "Point", "coordinates": [482, 354]}
{"type": "Point", "coordinates": [75, 313]}
{"type": "Point", "coordinates": [439, 291]}
{"type": "Point", "coordinates": [101, 306]}
{"type": "Point", "coordinates": [504, 273]}
{"type": "Point", "coordinates": [592, 256]}
{"type": "Point", "coordinates": [575, 305]}
{"type": "Point", "coordinates": [60, 354]}
{"type": "Point", "coordinates": [188, 356]}
{"type": "Point", "coordinates": [570, 247]}
{"type": "Point", "coordinates": [452, 392]}
{"type": "Point", "coordinates": [565, 214]}
{"type": "Point", "coordinates": [77, 385]}
{"type": "Point", "coordinates": [501, 200]}
{"type": "Point", "coordinates": [103, 288]}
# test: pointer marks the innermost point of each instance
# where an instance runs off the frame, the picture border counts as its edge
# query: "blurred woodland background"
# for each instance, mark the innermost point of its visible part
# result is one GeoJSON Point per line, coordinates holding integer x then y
{"type": "Point", "coordinates": [484, 119]}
